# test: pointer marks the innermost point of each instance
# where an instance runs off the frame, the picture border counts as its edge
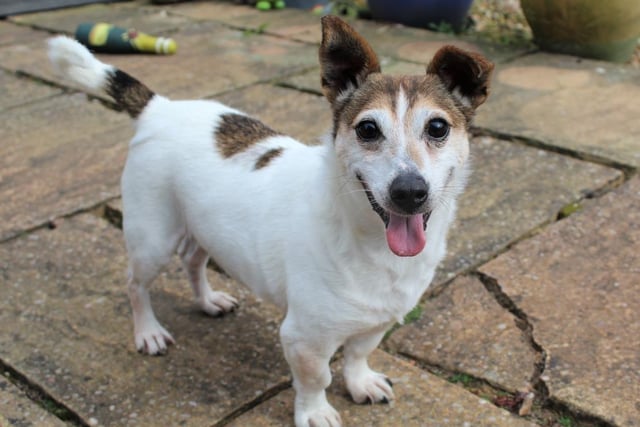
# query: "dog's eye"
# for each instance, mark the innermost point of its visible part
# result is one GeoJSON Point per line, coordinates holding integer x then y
{"type": "Point", "coordinates": [438, 129]}
{"type": "Point", "coordinates": [367, 130]}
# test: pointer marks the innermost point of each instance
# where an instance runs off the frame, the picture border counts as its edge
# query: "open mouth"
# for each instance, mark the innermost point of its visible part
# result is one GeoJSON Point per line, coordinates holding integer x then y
{"type": "Point", "coordinates": [405, 233]}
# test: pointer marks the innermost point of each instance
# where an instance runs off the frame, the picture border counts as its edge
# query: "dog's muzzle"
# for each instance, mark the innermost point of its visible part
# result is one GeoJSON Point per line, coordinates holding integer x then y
{"type": "Point", "coordinates": [405, 231]}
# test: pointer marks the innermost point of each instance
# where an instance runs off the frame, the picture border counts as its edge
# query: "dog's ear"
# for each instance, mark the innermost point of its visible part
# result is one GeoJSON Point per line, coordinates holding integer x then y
{"type": "Point", "coordinates": [465, 74]}
{"type": "Point", "coordinates": [346, 59]}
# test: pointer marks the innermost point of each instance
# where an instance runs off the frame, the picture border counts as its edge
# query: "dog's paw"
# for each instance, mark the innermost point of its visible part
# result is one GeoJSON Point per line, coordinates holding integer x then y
{"type": "Point", "coordinates": [324, 416]}
{"type": "Point", "coordinates": [217, 303]}
{"type": "Point", "coordinates": [370, 387]}
{"type": "Point", "coordinates": [153, 340]}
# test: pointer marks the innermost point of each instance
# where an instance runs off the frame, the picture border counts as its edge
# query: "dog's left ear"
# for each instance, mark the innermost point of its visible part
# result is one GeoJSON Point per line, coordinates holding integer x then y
{"type": "Point", "coordinates": [465, 74]}
{"type": "Point", "coordinates": [346, 59]}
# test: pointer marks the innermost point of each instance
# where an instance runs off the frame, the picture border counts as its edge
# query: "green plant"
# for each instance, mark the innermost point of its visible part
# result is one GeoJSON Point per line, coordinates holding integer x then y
{"type": "Point", "coordinates": [565, 421]}
{"type": "Point", "coordinates": [413, 315]}
{"type": "Point", "coordinates": [261, 29]}
{"type": "Point", "coordinates": [461, 378]}
{"type": "Point", "coordinates": [442, 27]}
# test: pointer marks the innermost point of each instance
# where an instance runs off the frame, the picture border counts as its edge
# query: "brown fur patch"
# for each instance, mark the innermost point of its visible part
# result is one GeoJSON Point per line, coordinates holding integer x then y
{"type": "Point", "coordinates": [266, 158]}
{"type": "Point", "coordinates": [130, 95]}
{"type": "Point", "coordinates": [237, 132]}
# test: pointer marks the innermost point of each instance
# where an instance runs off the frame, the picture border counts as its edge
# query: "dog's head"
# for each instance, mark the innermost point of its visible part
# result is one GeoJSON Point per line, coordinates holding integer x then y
{"type": "Point", "coordinates": [404, 139]}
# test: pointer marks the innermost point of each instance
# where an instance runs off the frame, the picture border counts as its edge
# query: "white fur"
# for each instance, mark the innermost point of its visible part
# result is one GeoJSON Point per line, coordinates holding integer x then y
{"type": "Point", "coordinates": [299, 231]}
{"type": "Point", "coordinates": [74, 61]}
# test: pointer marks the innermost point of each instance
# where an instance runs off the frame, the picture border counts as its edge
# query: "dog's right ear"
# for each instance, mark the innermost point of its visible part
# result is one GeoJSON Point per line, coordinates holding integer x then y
{"type": "Point", "coordinates": [346, 59]}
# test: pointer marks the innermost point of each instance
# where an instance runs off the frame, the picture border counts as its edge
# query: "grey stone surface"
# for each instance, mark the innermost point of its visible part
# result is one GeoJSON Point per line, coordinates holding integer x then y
{"type": "Point", "coordinates": [422, 399]}
{"type": "Point", "coordinates": [16, 409]}
{"type": "Point", "coordinates": [578, 283]}
{"type": "Point", "coordinates": [66, 325]}
{"type": "Point", "coordinates": [211, 59]}
{"type": "Point", "coordinates": [511, 191]}
{"type": "Point", "coordinates": [12, 33]}
{"type": "Point", "coordinates": [586, 106]}
{"type": "Point", "coordinates": [291, 23]}
{"type": "Point", "coordinates": [57, 156]}
{"type": "Point", "coordinates": [16, 91]}
{"type": "Point", "coordinates": [464, 329]}
{"type": "Point", "coordinates": [152, 21]}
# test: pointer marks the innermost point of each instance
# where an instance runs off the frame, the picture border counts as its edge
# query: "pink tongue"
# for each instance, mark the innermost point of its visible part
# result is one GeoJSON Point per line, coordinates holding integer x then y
{"type": "Point", "coordinates": [405, 235]}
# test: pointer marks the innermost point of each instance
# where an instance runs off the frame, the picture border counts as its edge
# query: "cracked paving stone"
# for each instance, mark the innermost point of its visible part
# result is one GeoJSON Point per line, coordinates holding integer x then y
{"type": "Point", "coordinates": [512, 190]}
{"type": "Point", "coordinates": [588, 106]}
{"type": "Point", "coordinates": [66, 326]}
{"type": "Point", "coordinates": [422, 399]}
{"type": "Point", "coordinates": [301, 115]}
{"type": "Point", "coordinates": [16, 409]}
{"type": "Point", "coordinates": [211, 59]}
{"type": "Point", "coordinates": [464, 329]}
{"type": "Point", "coordinates": [577, 281]}
{"type": "Point", "coordinates": [58, 155]}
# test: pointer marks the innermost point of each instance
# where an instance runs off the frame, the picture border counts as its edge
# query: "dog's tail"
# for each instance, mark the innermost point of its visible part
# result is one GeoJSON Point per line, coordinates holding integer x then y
{"type": "Point", "coordinates": [74, 61]}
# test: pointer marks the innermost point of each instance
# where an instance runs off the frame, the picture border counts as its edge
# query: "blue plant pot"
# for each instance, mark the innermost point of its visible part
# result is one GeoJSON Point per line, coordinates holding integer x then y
{"type": "Point", "coordinates": [422, 13]}
{"type": "Point", "coordinates": [305, 4]}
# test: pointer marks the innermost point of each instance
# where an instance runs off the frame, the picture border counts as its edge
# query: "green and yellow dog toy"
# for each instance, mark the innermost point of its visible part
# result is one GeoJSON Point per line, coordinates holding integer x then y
{"type": "Point", "coordinates": [107, 38]}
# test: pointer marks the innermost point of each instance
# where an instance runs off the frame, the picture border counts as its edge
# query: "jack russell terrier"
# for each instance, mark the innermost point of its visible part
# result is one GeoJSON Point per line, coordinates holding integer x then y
{"type": "Point", "coordinates": [345, 236]}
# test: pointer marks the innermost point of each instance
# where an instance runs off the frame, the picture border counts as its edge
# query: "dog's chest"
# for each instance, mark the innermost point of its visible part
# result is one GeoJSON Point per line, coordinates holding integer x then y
{"type": "Point", "coordinates": [385, 295]}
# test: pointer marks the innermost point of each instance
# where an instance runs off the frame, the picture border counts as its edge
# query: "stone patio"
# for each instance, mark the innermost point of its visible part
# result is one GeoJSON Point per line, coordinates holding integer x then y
{"type": "Point", "coordinates": [539, 294]}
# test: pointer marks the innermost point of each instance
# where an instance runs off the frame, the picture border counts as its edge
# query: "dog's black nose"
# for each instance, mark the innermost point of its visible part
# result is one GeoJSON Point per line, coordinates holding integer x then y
{"type": "Point", "coordinates": [408, 192]}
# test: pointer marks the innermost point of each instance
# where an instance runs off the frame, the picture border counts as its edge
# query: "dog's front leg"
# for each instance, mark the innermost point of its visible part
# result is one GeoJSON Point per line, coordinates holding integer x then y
{"type": "Point", "coordinates": [308, 355]}
{"type": "Point", "coordinates": [364, 384]}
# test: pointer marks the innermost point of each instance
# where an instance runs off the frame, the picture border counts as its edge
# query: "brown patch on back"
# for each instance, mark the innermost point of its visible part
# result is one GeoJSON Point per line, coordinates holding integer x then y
{"type": "Point", "coordinates": [266, 158]}
{"type": "Point", "coordinates": [238, 132]}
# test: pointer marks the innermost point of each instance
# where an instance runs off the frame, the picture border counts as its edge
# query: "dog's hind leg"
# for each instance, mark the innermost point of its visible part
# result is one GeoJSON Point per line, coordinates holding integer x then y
{"type": "Point", "coordinates": [364, 384]}
{"type": "Point", "coordinates": [150, 336]}
{"type": "Point", "coordinates": [194, 259]}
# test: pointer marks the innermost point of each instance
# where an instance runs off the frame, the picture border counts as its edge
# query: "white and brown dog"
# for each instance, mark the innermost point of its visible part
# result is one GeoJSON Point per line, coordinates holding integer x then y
{"type": "Point", "coordinates": [345, 236]}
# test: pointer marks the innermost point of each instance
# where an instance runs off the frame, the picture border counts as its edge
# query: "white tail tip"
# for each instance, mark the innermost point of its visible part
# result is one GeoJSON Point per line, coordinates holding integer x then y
{"type": "Point", "coordinates": [73, 61]}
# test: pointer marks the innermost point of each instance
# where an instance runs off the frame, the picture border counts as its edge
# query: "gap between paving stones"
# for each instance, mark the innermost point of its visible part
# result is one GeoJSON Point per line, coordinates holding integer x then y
{"type": "Point", "coordinates": [40, 397]}
{"type": "Point", "coordinates": [536, 380]}
{"type": "Point", "coordinates": [626, 169]}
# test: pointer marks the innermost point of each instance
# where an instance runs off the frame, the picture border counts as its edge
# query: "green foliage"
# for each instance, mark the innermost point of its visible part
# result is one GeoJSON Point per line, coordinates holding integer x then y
{"type": "Point", "coordinates": [565, 421]}
{"type": "Point", "coordinates": [413, 315]}
{"type": "Point", "coordinates": [262, 28]}
{"type": "Point", "coordinates": [460, 378]}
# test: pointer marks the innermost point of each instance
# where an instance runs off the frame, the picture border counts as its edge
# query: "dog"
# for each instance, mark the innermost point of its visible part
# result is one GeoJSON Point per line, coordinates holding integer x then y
{"type": "Point", "coordinates": [344, 236]}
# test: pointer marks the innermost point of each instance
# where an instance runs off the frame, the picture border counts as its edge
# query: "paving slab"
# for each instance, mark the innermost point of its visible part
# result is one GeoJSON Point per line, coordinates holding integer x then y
{"type": "Point", "coordinates": [512, 190]}
{"type": "Point", "coordinates": [16, 90]}
{"type": "Point", "coordinates": [211, 58]}
{"type": "Point", "coordinates": [153, 21]}
{"type": "Point", "coordinates": [16, 409]}
{"type": "Point", "coordinates": [301, 115]}
{"type": "Point", "coordinates": [578, 283]}
{"type": "Point", "coordinates": [59, 155]}
{"type": "Point", "coordinates": [12, 33]}
{"type": "Point", "coordinates": [581, 105]}
{"type": "Point", "coordinates": [464, 329]}
{"type": "Point", "coordinates": [422, 399]}
{"type": "Point", "coordinates": [295, 24]}
{"type": "Point", "coordinates": [66, 326]}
